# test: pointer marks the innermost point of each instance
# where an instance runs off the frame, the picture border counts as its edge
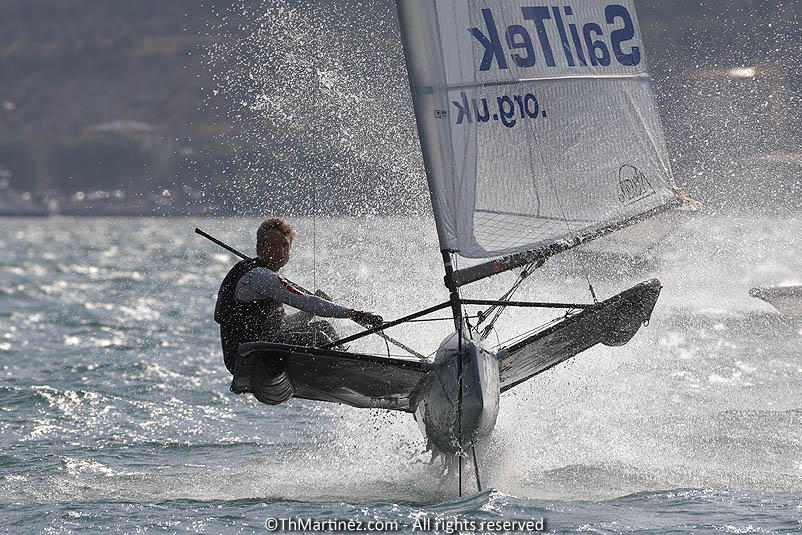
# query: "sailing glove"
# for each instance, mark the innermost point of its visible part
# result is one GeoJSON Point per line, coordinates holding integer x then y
{"type": "Point", "coordinates": [366, 319]}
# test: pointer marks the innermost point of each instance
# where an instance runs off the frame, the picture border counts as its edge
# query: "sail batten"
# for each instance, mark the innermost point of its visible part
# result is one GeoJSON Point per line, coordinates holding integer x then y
{"type": "Point", "coordinates": [537, 123]}
{"type": "Point", "coordinates": [530, 216]}
{"type": "Point", "coordinates": [541, 79]}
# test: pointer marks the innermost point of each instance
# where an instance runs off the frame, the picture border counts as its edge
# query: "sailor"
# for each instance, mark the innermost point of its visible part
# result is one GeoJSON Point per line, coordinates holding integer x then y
{"type": "Point", "coordinates": [250, 304]}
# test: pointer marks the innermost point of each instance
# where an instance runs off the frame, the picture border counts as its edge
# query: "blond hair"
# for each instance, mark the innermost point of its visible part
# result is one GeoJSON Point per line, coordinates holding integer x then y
{"type": "Point", "coordinates": [273, 224]}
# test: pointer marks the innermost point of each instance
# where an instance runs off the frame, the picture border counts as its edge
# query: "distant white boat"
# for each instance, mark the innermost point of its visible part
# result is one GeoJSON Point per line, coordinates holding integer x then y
{"type": "Point", "coordinates": [786, 299]}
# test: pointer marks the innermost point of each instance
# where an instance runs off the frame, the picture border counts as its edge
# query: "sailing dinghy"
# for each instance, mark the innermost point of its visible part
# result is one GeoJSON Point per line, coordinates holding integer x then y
{"type": "Point", "coordinates": [539, 132]}
{"type": "Point", "coordinates": [786, 299]}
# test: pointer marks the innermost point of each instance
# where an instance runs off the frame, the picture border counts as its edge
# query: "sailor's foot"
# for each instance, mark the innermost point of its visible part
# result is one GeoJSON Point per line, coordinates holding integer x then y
{"type": "Point", "coordinates": [243, 368]}
{"type": "Point", "coordinates": [241, 385]}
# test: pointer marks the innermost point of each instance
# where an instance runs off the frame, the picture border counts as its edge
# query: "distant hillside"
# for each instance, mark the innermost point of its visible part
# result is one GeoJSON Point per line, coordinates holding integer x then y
{"type": "Point", "coordinates": [71, 67]}
{"type": "Point", "coordinates": [68, 64]}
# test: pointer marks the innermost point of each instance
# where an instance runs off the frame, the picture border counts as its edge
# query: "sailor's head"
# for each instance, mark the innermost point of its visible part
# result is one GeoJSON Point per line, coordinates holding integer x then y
{"type": "Point", "coordinates": [273, 242]}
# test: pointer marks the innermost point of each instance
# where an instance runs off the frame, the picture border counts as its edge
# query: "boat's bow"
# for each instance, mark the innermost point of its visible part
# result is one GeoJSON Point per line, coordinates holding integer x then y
{"type": "Point", "coordinates": [452, 422]}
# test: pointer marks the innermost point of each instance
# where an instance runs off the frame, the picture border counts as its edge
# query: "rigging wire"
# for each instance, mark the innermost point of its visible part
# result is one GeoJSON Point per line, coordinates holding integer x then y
{"type": "Point", "coordinates": [436, 319]}
{"type": "Point", "coordinates": [590, 287]}
{"type": "Point", "coordinates": [562, 209]}
{"type": "Point", "coordinates": [314, 188]}
{"type": "Point", "coordinates": [530, 332]}
{"type": "Point", "coordinates": [499, 309]}
{"type": "Point", "coordinates": [567, 223]}
{"type": "Point", "coordinates": [314, 232]}
{"type": "Point", "coordinates": [319, 145]}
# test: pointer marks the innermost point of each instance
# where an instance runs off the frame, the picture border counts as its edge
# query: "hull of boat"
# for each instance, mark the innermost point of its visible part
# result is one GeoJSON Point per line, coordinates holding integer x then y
{"type": "Point", "coordinates": [430, 389]}
{"type": "Point", "coordinates": [451, 424]}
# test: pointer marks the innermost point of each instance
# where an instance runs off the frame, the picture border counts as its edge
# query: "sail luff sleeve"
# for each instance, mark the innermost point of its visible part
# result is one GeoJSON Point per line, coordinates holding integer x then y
{"type": "Point", "coordinates": [506, 263]}
{"type": "Point", "coordinates": [417, 21]}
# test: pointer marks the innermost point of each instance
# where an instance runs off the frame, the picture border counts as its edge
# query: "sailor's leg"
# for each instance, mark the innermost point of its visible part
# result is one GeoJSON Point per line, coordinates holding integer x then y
{"type": "Point", "coordinates": [243, 370]}
{"type": "Point", "coordinates": [316, 333]}
{"type": "Point", "coordinates": [296, 322]}
{"type": "Point", "coordinates": [327, 330]}
{"type": "Point", "coordinates": [300, 337]}
{"type": "Point", "coordinates": [270, 382]}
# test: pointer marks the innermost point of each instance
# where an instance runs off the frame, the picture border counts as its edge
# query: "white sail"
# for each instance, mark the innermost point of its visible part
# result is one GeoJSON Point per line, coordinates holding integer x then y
{"type": "Point", "coordinates": [537, 122]}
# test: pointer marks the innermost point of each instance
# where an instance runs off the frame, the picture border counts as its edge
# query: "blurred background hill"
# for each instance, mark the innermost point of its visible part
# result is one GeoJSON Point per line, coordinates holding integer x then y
{"type": "Point", "coordinates": [111, 104]}
{"type": "Point", "coordinates": [70, 64]}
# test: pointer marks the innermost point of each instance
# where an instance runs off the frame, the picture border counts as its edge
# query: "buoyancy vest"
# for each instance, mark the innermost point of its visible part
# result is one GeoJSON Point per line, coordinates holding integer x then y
{"type": "Point", "coordinates": [242, 321]}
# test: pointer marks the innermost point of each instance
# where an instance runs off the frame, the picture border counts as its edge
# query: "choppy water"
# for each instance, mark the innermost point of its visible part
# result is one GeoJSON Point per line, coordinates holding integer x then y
{"type": "Point", "coordinates": [115, 414]}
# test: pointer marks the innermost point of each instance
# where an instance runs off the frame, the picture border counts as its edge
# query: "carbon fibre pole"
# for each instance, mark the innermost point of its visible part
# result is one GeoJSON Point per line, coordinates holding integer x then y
{"type": "Point", "coordinates": [476, 467]}
{"type": "Point", "coordinates": [221, 244]}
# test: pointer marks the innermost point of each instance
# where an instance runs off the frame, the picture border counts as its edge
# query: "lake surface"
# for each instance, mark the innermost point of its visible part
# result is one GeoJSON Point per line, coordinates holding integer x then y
{"type": "Point", "coordinates": [115, 413]}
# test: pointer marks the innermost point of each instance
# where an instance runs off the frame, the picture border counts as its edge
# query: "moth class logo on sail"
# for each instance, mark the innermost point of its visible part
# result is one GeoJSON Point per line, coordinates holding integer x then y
{"type": "Point", "coordinates": [633, 186]}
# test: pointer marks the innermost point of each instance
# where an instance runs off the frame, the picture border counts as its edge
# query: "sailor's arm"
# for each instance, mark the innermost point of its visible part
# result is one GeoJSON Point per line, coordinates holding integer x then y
{"type": "Point", "coordinates": [308, 303]}
{"type": "Point", "coordinates": [262, 283]}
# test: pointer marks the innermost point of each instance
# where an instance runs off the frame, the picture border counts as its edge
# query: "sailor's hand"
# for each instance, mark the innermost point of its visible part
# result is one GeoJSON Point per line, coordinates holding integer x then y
{"type": "Point", "coordinates": [322, 295]}
{"type": "Point", "coordinates": [366, 319]}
